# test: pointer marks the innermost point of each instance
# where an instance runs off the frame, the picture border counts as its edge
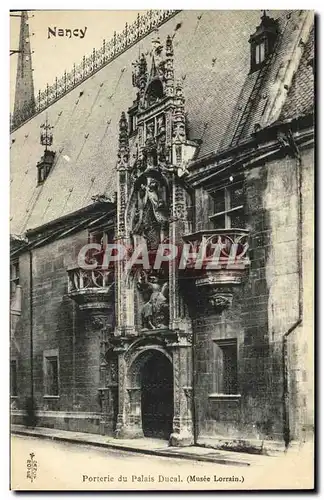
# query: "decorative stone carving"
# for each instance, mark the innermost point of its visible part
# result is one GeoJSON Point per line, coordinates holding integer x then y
{"type": "Point", "coordinates": [101, 198]}
{"type": "Point", "coordinates": [121, 344]}
{"type": "Point", "coordinates": [91, 288]}
{"type": "Point", "coordinates": [113, 370]}
{"type": "Point", "coordinates": [188, 393]}
{"type": "Point", "coordinates": [178, 339]}
{"type": "Point", "coordinates": [155, 312]}
{"type": "Point", "coordinates": [223, 265]}
{"type": "Point", "coordinates": [149, 214]}
{"type": "Point", "coordinates": [162, 154]}
{"type": "Point", "coordinates": [123, 149]}
{"type": "Point", "coordinates": [288, 144]}
{"type": "Point", "coordinates": [139, 75]}
{"type": "Point", "coordinates": [153, 202]}
{"type": "Point", "coordinates": [179, 120]}
{"type": "Point", "coordinates": [154, 83]}
{"type": "Point", "coordinates": [97, 322]}
{"type": "Point", "coordinates": [13, 405]}
{"type": "Point", "coordinates": [220, 302]}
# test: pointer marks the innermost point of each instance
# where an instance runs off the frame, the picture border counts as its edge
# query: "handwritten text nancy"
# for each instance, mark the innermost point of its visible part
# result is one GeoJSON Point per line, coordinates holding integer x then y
{"type": "Point", "coordinates": [67, 32]}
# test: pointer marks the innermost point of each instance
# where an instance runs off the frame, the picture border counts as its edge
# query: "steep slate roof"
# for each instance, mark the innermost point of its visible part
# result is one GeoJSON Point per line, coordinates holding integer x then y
{"type": "Point", "coordinates": [289, 22]}
{"type": "Point", "coordinates": [212, 55]}
{"type": "Point", "coordinates": [300, 98]}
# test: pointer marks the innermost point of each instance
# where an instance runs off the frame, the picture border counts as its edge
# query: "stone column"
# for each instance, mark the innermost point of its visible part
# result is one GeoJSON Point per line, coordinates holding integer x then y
{"type": "Point", "coordinates": [129, 420]}
{"type": "Point", "coordinates": [122, 399]}
{"type": "Point", "coordinates": [182, 434]}
{"type": "Point", "coordinates": [134, 417]}
{"type": "Point", "coordinates": [108, 385]}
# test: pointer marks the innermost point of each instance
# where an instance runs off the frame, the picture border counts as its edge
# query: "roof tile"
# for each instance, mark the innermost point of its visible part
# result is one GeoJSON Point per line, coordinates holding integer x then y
{"type": "Point", "coordinates": [211, 53]}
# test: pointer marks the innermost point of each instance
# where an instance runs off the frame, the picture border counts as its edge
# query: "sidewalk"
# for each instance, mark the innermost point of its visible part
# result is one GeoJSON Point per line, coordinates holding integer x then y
{"type": "Point", "coordinates": [148, 446]}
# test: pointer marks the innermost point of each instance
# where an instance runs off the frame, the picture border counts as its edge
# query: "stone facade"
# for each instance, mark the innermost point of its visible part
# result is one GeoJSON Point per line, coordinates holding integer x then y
{"type": "Point", "coordinates": [219, 357]}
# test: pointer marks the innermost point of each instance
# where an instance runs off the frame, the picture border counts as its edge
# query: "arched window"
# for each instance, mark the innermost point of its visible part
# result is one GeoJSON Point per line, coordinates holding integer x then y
{"type": "Point", "coordinates": [154, 92]}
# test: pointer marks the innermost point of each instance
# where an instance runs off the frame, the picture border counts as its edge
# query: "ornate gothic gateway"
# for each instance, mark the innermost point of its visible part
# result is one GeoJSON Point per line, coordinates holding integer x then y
{"type": "Point", "coordinates": [153, 337]}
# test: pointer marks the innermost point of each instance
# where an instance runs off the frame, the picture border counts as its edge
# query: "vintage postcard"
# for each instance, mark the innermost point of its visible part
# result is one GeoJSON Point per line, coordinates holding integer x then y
{"type": "Point", "coordinates": [161, 250]}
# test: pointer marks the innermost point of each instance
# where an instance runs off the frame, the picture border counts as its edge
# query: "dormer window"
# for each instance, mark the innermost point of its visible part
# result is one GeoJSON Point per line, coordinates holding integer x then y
{"type": "Point", "coordinates": [263, 41]}
{"type": "Point", "coordinates": [260, 53]}
{"type": "Point", "coordinates": [44, 166]}
{"type": "Point", "coordinates": [41, 176]}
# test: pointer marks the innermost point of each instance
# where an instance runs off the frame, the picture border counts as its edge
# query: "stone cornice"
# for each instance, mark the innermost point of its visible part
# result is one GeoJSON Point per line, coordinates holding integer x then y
{"type": "Point", "coordinates": [263, 146]}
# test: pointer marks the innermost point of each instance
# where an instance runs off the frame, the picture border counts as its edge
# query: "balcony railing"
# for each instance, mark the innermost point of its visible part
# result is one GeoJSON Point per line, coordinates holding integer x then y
{"type": "Point", "coordinates": [218, 249]}
{"type": "Point", "coordinates": [91, 288]}
{"type": "Point", "coordinates": [218, 260]}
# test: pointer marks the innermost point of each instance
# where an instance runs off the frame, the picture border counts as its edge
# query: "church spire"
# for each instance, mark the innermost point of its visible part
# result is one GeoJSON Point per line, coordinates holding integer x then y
{"type": "Point", "coordinates": [24, 105]}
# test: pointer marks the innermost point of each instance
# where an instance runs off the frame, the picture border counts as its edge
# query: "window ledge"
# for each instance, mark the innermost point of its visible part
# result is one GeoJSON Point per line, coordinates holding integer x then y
{"type": "Point", "coordinates": [224, 212]}
{"type": "Point", "coordinates": [224, 397]}
{"type": "Point", "coordinates": [47, 396]}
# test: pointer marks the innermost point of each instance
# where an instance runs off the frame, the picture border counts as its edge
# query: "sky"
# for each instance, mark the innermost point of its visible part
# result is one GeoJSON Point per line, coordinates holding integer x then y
{"type": "Point", "coordinates": [52, 56]}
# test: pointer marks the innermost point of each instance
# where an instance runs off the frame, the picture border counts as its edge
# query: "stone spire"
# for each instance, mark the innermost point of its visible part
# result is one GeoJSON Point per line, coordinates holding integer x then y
{"type": "Point", "coordinates": [123, 149]}
{"type": "Point", "coordinates": [179, 119]}
{"type": "Point", "coordinates": [24, 105]}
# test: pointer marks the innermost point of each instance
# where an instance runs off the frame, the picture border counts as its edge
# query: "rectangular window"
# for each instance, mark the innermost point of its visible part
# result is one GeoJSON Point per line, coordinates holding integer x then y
{"type": "Point", "coordinates": [227, 354]}
{"type": "Point", "coordinates": [41, 176]}
{"type": "Point", "coordinates": [132, 119]}
{"type": "Point", "coordinates": [134, 123]}
{"type": "Point", "coordinates": [51, 373]}
{"type": "Point", "coordinates": [14, 277]}
{"type": "Point", "coordinates": [13, 378]}
{"type": "Point", "coordinates": [259, 53]}
{"type": "Point", "coordinates": [228, 207]}
{"type": "Point", "coordinates": [101, 238]}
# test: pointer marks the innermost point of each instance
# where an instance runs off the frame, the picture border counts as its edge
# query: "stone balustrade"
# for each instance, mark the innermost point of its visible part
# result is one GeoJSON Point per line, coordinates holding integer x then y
{"type": "Point", "coordinates": [91, 288]}
{"type": "Point", "coordinates": [218, 261]}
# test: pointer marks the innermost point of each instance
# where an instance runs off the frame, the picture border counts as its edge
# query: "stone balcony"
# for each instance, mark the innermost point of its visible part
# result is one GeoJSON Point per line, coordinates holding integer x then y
{"type": "Point", "coordinates": [220, 264]}
{"type": "Point", "coordinates": [91, 288]}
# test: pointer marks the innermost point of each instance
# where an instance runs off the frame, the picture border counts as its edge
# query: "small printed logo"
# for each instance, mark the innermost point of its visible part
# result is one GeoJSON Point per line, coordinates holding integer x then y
{"type": "Point", "coordinates": [31, 467]}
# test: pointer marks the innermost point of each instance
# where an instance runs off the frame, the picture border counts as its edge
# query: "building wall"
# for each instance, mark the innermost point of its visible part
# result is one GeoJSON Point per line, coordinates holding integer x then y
{"type": "Point", "coordinates": [301, 342]}
{"type": "Point", "coordinates": [263, 310]}
{"type": "Point", "coordinates": [57, 324]}
{"type": "Point", "coordinates": [20, 336]}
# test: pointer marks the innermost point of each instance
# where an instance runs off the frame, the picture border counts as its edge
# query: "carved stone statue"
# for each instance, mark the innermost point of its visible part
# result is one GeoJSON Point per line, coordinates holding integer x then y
{"type": "Point", "coordinates": [150, 211]}
{"type": "Point", "coordinates": [161, 141]}
{"type": "Point", "coordinates": [155, 312]}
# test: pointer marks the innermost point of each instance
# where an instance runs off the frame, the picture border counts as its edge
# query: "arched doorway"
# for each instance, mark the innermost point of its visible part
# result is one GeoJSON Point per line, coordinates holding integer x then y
{"type": "Point", "coordinates": [157, 395]}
